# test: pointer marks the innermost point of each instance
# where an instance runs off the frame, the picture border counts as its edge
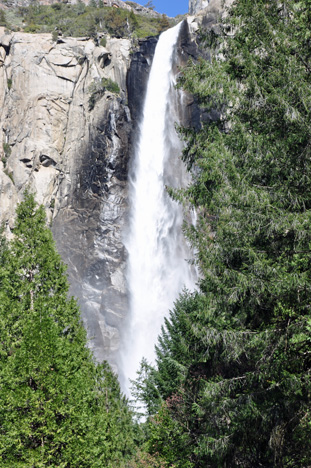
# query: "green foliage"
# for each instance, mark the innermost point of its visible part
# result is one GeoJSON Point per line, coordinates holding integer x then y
{"type": "Point", "coordinates": [133, 20]}
{"type": "Point", "coordinates": [116, 22]}
{"type": "Point", "coordinates": [233, 361]}
{"type": "Point", "coordinates": [143, 459]}
{"type": "Point", "coordinates": [55, 34]}
{"type": "Point", "coordinates": [103, 41]}
{"type": "Point", "coordinates": [57, 407]}
{"type": "Point", "coordinates": [7, 149]}
{"type": "Point", "coordinates": [32, 28]}
{"type": "Point", "coordinates": [56, 6]}
{"type": "Point", "coordinates": [110, 85]}
{"type": "Point", "coordinates": [2, 18]}
{"type": "Point", "coordinates": [84, 20]}
{"type": "Point", "coordinates": [98, 88]}
{"type": "Point", "coordinates": [144, 389]}
{"type": "Point", "coordinates": [8, 173]}
{"type": "Point", "coordinates": [13, 21]}
{"type": "Point", "coordinates": [164, 24]}
{"type": "Point", "coordinates": [167, 437]}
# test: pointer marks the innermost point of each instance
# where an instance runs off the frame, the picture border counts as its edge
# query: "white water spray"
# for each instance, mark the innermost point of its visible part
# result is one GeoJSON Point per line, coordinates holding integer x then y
{"type": "Point", "coordinates": [157, 251]}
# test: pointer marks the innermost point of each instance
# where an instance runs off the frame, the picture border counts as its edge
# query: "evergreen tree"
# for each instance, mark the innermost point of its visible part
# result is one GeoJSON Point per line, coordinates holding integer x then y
{"type": "Point", "coordinates": [244, 398]}
{"type": "Point", "coordinates": [116, 23]}
{"type": "Point", "coordinates": [164, 24]}
{"type": "Point", "coordinates": [57, 407]}
{"type": "Point", "coordinates": [133, 20]}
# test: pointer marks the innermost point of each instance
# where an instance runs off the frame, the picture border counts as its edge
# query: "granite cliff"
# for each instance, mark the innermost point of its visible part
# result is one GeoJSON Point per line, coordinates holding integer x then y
{"type": "Point", "coordinates": [75, 157]}
{"type": "Point", "coordinates": [68, 137]}
{"type": "Point", "coordinates": [195, 6]}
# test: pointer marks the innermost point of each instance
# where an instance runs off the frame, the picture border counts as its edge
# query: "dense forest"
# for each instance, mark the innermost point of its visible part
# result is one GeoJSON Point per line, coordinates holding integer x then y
{"type": "Point", "coordinates": [231, 385]}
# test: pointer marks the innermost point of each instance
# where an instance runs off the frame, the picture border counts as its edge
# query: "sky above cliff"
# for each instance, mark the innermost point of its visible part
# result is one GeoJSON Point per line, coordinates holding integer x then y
{"type": "Point", "coordinates": [171, 7]}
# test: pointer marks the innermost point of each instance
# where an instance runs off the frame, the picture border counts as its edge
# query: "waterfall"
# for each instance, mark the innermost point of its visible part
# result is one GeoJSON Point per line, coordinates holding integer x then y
{"type": "Point", "coordinates": [157, 252]}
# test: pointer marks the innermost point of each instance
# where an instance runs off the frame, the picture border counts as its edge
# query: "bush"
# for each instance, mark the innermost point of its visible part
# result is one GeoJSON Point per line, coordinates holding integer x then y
{"type": "Point", "coordinates": [10, 175]}
{"type": "Point", "coordinates": [56, 6]}
{"type": "Point", "coordinates": [98, 88]}
{"type": "Point", "coordinates": [54, 36]}
{"type": "Point", "coordinates": [2, 18]}
{"type": "Point", "coordinates": [6, 149]}
{"type": "Point", "coordinates": [110, 85]}
{"type": "Point", "coordinates": [103, 41]}
{"type": "Point", "coordinates": [32, 28]}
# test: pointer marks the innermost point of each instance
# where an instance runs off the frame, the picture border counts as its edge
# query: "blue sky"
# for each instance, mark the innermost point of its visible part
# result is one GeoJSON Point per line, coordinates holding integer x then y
{"type": "Point", "coordinates": [169, 7]}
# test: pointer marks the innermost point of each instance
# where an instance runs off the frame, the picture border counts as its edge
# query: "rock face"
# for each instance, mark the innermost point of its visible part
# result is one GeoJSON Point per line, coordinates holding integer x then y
{"type": "Point", "coordinates": [75, 155]}
{"type": "Point", "coordinates": [195, 6]}
{"type": "Point", "coordinates": [138, 74]}
{"type": "Point", "coordinates": [74, 159]}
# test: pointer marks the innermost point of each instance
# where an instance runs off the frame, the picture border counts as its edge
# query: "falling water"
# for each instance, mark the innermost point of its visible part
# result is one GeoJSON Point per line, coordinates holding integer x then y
{"type": "Point", "coordinates": [157, 251]}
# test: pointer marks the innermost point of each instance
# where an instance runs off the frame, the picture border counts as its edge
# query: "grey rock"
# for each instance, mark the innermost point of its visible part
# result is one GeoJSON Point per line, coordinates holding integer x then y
{"type": "Point", "coordinates": [195, 6]}
{"type": "Point", "coordinates": [76, 159]}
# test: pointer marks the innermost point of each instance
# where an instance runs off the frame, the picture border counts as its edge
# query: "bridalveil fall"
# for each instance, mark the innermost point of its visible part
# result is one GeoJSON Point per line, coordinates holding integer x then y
{"type": "Point", "coordinates": [157, 251]}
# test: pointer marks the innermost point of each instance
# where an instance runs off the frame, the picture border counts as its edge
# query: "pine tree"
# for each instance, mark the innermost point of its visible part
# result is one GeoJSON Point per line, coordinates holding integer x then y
{"type": "Point", "coordinates": [164, 24]}
{"type": "Point", "coordinates": [245, 400]}
{"type": "Point", "coordinates": [58, 408]}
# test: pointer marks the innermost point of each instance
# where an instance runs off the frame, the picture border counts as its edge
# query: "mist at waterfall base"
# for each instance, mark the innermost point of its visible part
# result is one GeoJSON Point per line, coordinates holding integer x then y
{"type": "Point", "coordinates": [157, 251]}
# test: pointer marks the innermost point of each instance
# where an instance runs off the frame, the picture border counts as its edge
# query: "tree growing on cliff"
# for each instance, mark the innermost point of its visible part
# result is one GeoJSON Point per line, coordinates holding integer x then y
{"type": "Point", "coordinates": [150, 5]}
{"type": "Point", "coordinates": [164, 24]}
{"type": "Point", "coordinates": [57, 407]}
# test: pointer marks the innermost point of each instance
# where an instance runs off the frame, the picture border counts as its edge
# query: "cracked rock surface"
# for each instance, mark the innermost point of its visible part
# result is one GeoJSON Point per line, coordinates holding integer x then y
{"type": "Point", "coordinates": [74, 159]}
{"type": "Point", "coordinates": [74, 154]}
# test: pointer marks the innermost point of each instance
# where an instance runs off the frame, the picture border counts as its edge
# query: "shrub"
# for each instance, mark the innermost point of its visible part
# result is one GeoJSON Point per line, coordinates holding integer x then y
{"type": "Point", "coordinates": [32, 28]}
{"type": "Point", "coordinates": [110, 85]}
{"type": "Point", "coordinates": [6, 149]}
{"type": "Point", "coordinates": [10, 175]}
{"type": "Point", "coordinates": [103, 41]}
{"type": "Point", "coordinates": [2, 18]}
{"type": "Point", "coordinates": [56, 6]}
{"type": "Point", "coordinates": [98, 88]}
{"type": "Point", "coordinates": [54, 36]}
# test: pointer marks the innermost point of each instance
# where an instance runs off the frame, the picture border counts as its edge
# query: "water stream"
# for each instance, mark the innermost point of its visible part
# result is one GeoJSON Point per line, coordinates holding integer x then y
{"type": "Point", "coordinates": [157, 266]}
